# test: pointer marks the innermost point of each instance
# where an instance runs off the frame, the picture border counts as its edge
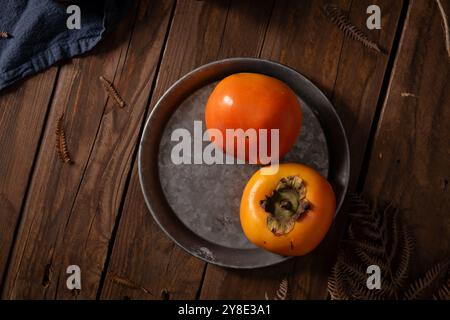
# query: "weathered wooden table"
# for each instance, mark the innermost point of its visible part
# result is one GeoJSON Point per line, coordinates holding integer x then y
{"type": "Point", "coordinates": [395, 108]}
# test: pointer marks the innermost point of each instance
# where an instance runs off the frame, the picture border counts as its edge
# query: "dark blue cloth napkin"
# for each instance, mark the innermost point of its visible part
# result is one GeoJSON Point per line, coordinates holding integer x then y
{"type": "Point", "coordinates": [38, 35]}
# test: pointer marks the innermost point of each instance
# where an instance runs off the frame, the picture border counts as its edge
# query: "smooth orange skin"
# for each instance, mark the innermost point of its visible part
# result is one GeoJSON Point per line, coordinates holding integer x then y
{"type": "Point", "coordinates": [311, 227]}
{"type": "Point", "coordinates": [250, 100]}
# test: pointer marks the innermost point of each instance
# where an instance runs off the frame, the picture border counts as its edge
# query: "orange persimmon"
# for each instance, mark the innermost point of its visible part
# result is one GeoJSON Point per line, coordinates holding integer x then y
{"type": "Point", "coordinates": [254, 101]}
{"type": "Point", "coordinates": [289, 212]}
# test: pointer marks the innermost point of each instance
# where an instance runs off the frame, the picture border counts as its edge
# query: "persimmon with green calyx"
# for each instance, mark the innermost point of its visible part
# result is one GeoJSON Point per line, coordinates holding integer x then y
{"type": "Point", "coordinates": [288, 212]}
{"type": "Point", "coordinates": [254, 101]}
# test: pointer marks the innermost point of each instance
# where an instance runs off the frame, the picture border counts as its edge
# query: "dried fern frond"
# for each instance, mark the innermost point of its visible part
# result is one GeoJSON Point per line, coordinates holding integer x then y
{"type": "Point", "coordinates": [4, 34]}
{"type": "Point", "coordinates": [61, 143]}
{"type": "Point", "coordinates": [392, 237]}
{"type": "Point", "coordinates": [363, 293]}
{"type": "Point", "coordinates": [336, 15]}
{"type": "Point", "coordinates": [351, 232]}
{"type": "Point", "coordinates": [112, 91]}
{"type": "Point", "coordinates": [369, 247]}
{"type": "Point", "coordinates": [369, 260]}
{"type": "Point", "coordinates": [336, 284]}
{"type": "Point", "coordinates": [359, 290]}
{"type": "Point", "coordinates": [359, 207]}
{"type": "Point", "coordinates": [372, 225]}
{"type": "Point", "coordinates": [282, 291]}
{"type": "Point", "coordinates": [353, 270]}
{"type": "Point", "coordinates": [372, 234]}
{"type": "Point", "coordinates": [417, 289]}
{"type": "Point", "coordinates": [376, 237]}
{"type": "Point", "coordinates": [443, 292]}
{"type": "Point", "coordinates": [361, 214]}
{"type": "Point", "coordinates": [401, 274]}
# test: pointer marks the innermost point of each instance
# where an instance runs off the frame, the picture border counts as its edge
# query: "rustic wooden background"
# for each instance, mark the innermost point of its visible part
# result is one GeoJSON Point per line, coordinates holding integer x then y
{"type": "Point", "coordinates": [395, 108]}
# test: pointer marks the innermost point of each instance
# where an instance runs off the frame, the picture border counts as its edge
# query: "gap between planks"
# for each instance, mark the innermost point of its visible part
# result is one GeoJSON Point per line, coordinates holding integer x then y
{"type": "Point", "coordinates": [388, 77]}
{"type": "Point", "coordinates": [28, 184]}
{"type": "Point", "coordinates": [135, 152]}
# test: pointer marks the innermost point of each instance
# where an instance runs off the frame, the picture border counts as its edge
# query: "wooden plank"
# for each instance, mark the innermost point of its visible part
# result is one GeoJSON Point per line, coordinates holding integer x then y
{"type": "Point", "coordinates": [142, 255]}
{"type": "Point", "coordinates": [71, 209]}
{"type": "Point", "coordinates": [22, 114]}
{"type": "Point", "coordinates": [300, 36]}
{"type": "Point", "coordinates": [245, 28]}
{"type": "Point", "coordinates": [410, 161]}
{"type": "Point", "coordinates": [360, 78]}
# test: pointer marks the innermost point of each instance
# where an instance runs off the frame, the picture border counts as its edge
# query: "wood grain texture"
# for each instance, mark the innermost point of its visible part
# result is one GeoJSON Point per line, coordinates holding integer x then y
{"type": "Point", "coordinates": [151, 259]}
{"type": "Point", "coordinates": [355, 96]}
{"type": "Point", "coordinates": [301, 37]}
{"type": "Point", "coordinates": [22, 114]}
{"type": "Point", "coordinates": [142, 253]}
{"type": "Point", "coordinates": [71, 210]}
{"type": "Point", "coordinates": [360, 78]}
{"type": "Point", "coordinates": [410, 162]}
{"type": "Point", "coordinates": [245, 29]}
{"type": "Point", "coordinates": [285, 42]}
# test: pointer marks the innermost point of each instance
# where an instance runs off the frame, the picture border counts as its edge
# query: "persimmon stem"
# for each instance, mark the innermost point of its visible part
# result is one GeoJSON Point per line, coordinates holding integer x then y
{"type": "Point", "coordinates": [285, 205]}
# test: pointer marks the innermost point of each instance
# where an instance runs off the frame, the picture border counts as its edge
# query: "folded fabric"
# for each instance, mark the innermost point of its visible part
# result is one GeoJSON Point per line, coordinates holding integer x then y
{"type": "Point", "coordinates": [35, 33]}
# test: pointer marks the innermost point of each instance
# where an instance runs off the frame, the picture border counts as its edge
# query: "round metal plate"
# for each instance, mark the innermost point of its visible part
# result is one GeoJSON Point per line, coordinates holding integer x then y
{"type": "Point", "coordinates": [197, 205]}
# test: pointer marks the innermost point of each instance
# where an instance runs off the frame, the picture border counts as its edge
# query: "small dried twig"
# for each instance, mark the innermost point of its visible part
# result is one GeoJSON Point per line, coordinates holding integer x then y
{"type": "Point", "coordinates": [336, 15]}
{"type": "Point", "coordinates": [112, 91]}
{"type": "Point", "coordinates": [4, 34]}
{"type": "Point", "coordinates": [126, 282]}
{"type": "Point", "coordinates": [408, 95]}
{"type": "Point", "coordinates": [446, 27]}
{"type": "Point", "coordinates": [61, 143]}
